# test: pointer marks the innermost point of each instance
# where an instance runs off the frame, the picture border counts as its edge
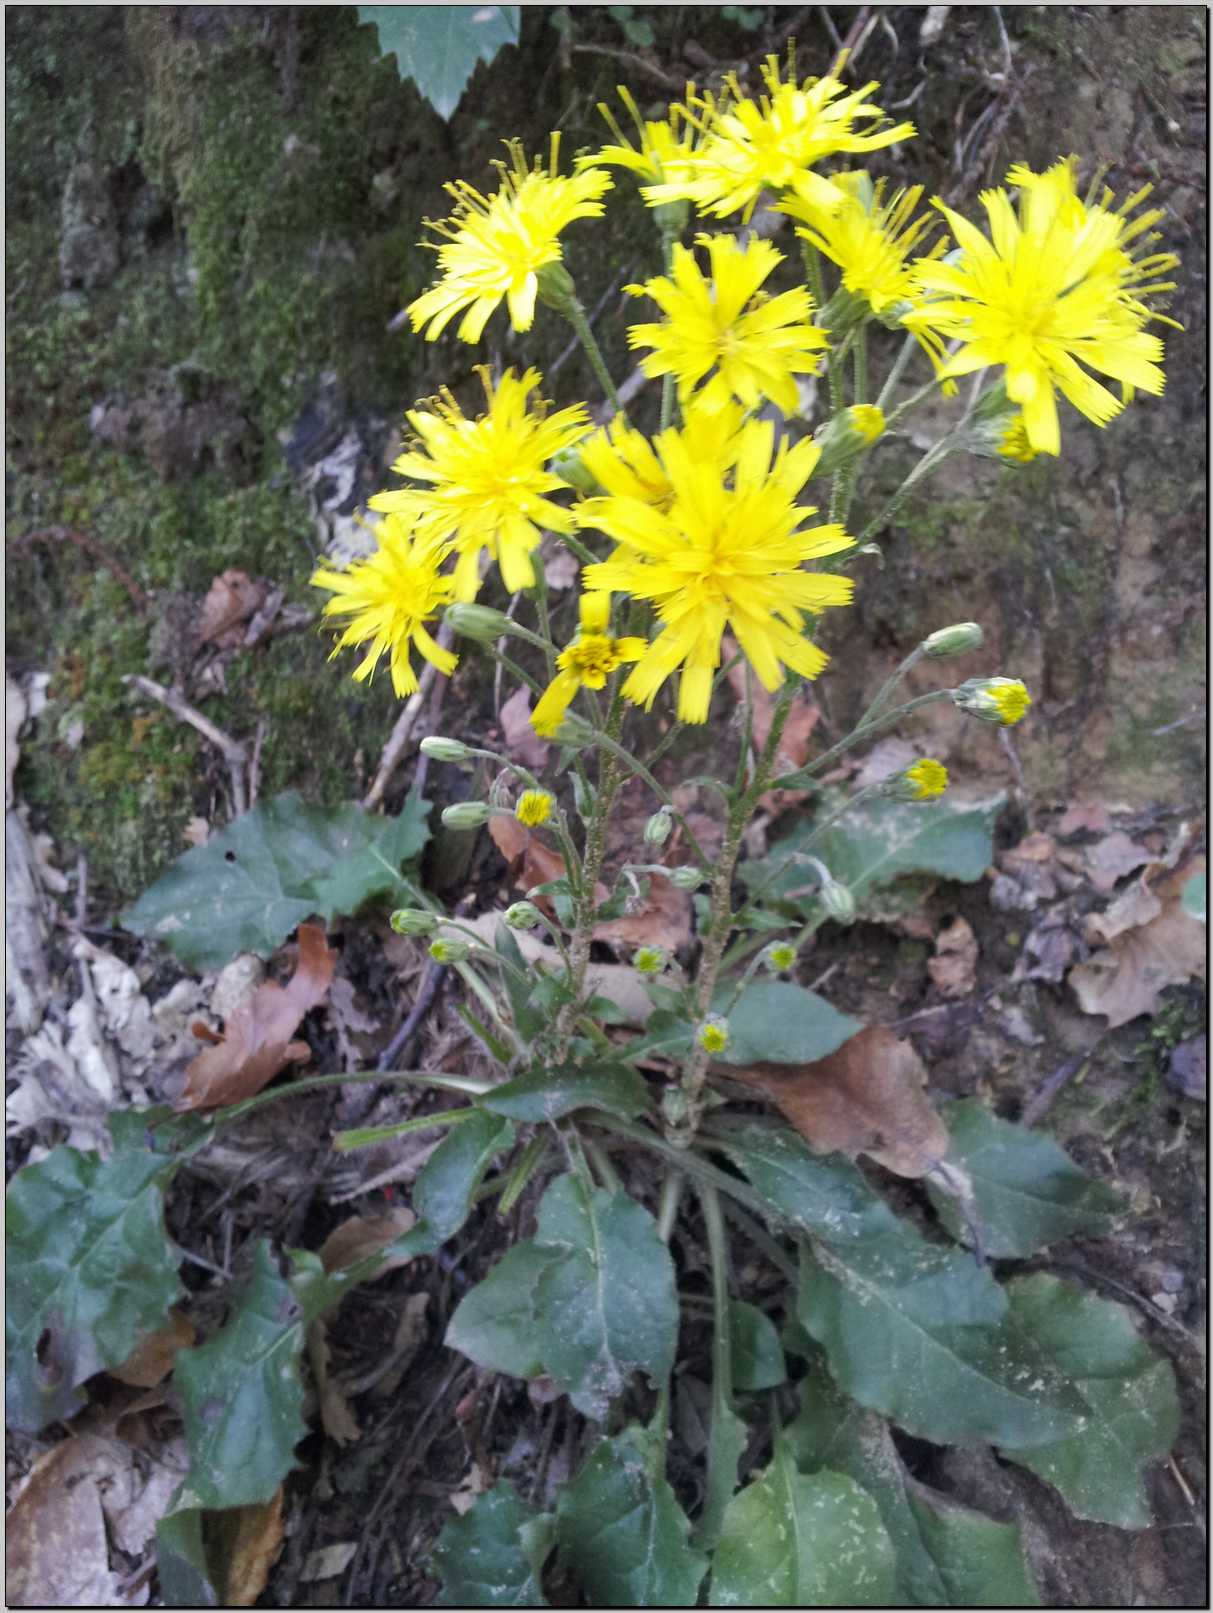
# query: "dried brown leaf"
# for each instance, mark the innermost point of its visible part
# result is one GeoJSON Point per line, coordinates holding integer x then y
{"type": "Point", "coordinates": [233, 597]}
{"type": "Point", "coordinates": [662, 920]}
{"type": "Point", "coordinates": [1112, 858]}
{"type": "Point", "coordinates": [55, 1551]}
{"type": "Point", "coordinates": [151, 1361]}
{"type": "Point", "coordinates": [868, 1097]}
{"type": "Point", "coordinates": [1153, 943]}
{"type": "Point", "coordinates": [519, 740]}
{"type": "Point", "coordinates": [531, 862]}
{"type": "Point", "coordinates": [953, 968]}
{"type": "Point", "coordinates": [247, 1541]}
{"type": "Point", "coordinates": [1084, 815]}
{"type": "Point", "coordinates": [364, 1235]}
{"type": "Point", "coordinates": [793, 751]}
{"type": "Point", "coordinates": [257, 1040]}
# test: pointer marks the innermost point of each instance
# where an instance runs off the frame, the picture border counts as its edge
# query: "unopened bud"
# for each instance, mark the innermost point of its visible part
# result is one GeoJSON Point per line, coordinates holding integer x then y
{"type": "Point", "coordinates": [685, 878]}
{"type": "Point", "coordinates": [413, 921]}
{"type": "Point", "coordinates": [522, 916]}
{"type": "Point", "coordinates": [958, 639]}
{"type": "Point", "coordinates": [998, 700]}
{"type": "Point", "coordinates": [480, 622]}
{"type": "Point", "coordinates": [657, 829]}
{"type": "Point", "coordinates": [649, 960]}
{"type": "Point", "coordinates": [466, 815]}
{"type": "Point", "coordinates": [571, 468]}
{"type": "Point", "coordinates": [921, 781]}
{"type": "Point", "coordinates": [573, 731]}
{"type": "Point", "coordinates": [450, 951]}
{"type": "Point", "coordinates": [555, 286]}
{"type": "Point", "coordinates": [445, 750]}
{"type": "Point", "coordinates": [850, 433]}
{"type": "Point", "coordinates": [837, 901]}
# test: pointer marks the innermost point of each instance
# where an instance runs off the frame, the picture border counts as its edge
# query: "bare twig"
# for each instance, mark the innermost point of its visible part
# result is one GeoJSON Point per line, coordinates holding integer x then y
{"type": "Point", "coordinates": [254, 767]}
{"type": "Point", "coordinates": [82, 540]}
{"type": "Point", "coordinates": [434, 976]}
{"type": "Point", "coordinates": [1043, 1098]}
{"type": "Point", "coordinates": [234, 753]}
{"type": "Point", "coordinates": [405, 724]}
{"type": "Point", "coordinates": [632, 58]}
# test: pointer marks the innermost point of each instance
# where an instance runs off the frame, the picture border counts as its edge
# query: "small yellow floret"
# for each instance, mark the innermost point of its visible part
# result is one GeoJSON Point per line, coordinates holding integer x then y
{"type": "Point", "coordinates": [713, 1036]}
{"type": "Point", "coordinates": [534, 807]}
{"type": "Point", "coordinates": [926, 779]}
{"type": "Point", "coordinates": [649, 961]}
{"type": "Point", "coordinates": [587, 662]}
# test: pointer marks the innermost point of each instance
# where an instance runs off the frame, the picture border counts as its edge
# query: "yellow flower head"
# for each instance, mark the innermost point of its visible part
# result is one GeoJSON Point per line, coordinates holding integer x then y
{"type": "Point", "coordinates": [1058, 285]}
{"type": "Point", "coordinates": [772, 143]}
{"type": "Point", "coordinates": [1014, 444]}
{"type": "Point", "coordinates": [625, 463]}
{"type": "Point", "coordinates": [487, 481]}
{"type": "Point", "coordinates": [922, 781]}
{"type": "Point", "coordinates": [649, 960]}
{"type": "Point", "coordinates": [869, 238]}
{"type": "Point", "coordinates": [727, 553]}
{"type": "Point", "coordinates": [998, 700]}
{"type": "Point", "coordinates": [753, 346]}
{"type": "Point", "coordinates": [713, 1035]}
{"type": "Point", "coordinates": [389, 597]}
{"type": "Point", "coordinates": [534, 807]}
{"type": "Point", "coordinates": [659, 143]}
{"type": "Point", "coordinates": [780, 957]}
{"type": "Point", "coordinates": [587, 662]}
{"type": "Point", "coordinates": [495, 246]}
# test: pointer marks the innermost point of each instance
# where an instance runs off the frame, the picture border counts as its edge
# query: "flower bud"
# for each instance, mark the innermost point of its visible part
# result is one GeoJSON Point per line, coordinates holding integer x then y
{"type": "Point", "coordinates": [675, 1106]}
{"type": "Point", "coordinates": [649, 960]}
{"type": "Point", "coordinates": [466, 815]}
{"type": "Point", "coordinates": [445, 750]}
{"type": "Point", "coordinates": [534, 807]}
{"type": "Point", "coordinates": [998, 700]}
{"type": "Point", "coordinates": [780, 957]}
{"type": "Point", "coordinates": [713, 1034]}
{"type": "Point", "coordinates": [450, 951]}
{"type": "Point", "coordinates": [837, 900]}
{"type": "Point", "coordinates": [849, 434]}
{"type": "Point", "coordinates": [921, 781]}
{"type": "Point", "coordinates": [555, 286]}
{"type": "Point", "coordinates": [480, 622]}
{"type": "Point", "coordinates": [685, 878]}
{"type": "Point", "coordinates": [570, 467]}
{"type": "Point", "coordinates": [958, 639]}
{"type": "Point", "coordinates": [657, 829]}
{"type": "Point", "coordinates": [413, 921]}
{"type": "Point", "coordinates": [573, 731]}
{"type": "Point", "coordinates": [522, 916]}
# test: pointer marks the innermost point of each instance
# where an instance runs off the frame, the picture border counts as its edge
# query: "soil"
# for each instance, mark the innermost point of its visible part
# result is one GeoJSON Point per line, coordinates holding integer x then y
{"type": "Point", "coordinates": [212, 224]}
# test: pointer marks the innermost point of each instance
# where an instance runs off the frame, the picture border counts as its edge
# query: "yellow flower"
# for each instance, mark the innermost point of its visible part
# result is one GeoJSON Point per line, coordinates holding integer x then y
{"type": "Point", "coordinates": [727, 553]}
{"type": "Point", "coordinates": [495, 246]}
{"type": "Point", "coordinates": [752, 345]}
{"type": "Point", "coordinates": [869, 238]}
{"type": "Point", "coordinates": [534, 807]}
{"type": "Point", "coordinates": [924, 780]}
{"type": "Point", "coordinates": [713, 1035]}
{"type": "Point", "coordinates": [780, 957]}
{"type": "Point", "coordinates": [587, 662]}
{"type": "Point", "coordinates": [487, 481]}
{"type": "Point", "coordinates": [390, 596]}
{"type": "Point", "coordinates": [999, 700]}
{"type": "Point", "coordinates": [1014, 444]}
{"type": "Point", "coordinates": [659, 142]}
{"type": "Point", "coordinates": [771, 143]}
{"type": "Point", "coordinates": [649, 961]}
{"type": "Point", "coordinates": [624, 462]}
{"type": "Point", "coordinates": [1056, 287]}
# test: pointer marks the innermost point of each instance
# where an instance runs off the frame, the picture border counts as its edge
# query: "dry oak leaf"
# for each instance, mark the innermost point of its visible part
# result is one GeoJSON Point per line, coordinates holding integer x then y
{"type": "Point", "coordinates": [233, 597]}
{"type": "Point", "coordinates": [793, 751]}
{"type": "Point", "coordinates": [954, 965]}
{"type": "Point", "coordinates": [1108, 860]}
{"type": "Point", "coordinates": [530, 862]}
{"type": "Point", "coordinates": [247, 1540]}
{"type": "Point", "coordinates": [55, 1549]}
{"type": "Point", "coordinates": [257, 1039]}
{"type": "Point", "coordinates": [519, 740]}
{"type": "Point", "coordinates": [662, 920]}
{"type": "Point", "coordinates": [1153, 943]}
{"type": "Point", "coordinates": [868, 1097]}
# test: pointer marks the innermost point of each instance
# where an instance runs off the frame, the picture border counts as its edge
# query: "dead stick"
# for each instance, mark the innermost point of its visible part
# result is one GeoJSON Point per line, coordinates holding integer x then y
{"type": "Point", "coordinates": [82, 540]}
{"type": "Point", "coordinates": [232, 750]}
{"type": "Point", "coordinates": [405, 723]}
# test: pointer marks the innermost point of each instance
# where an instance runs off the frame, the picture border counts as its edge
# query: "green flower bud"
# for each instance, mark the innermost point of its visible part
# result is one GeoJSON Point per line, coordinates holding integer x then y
{"type": "Point", "coordinates": [450, 951]}
{"type": "Point", "coordinates": [480, 622]}
{"type": "Point", "coordinates": [555, 286]}
{"type": "Point", "coordinates": [522, 916]}
{"type": "Point", "coordinates": [837, 901]}
{"type": "Point", "coordinates": [955, 640]}
{"type": "Point", "coordinates": [657, 829]}
{"type": "Point", "coordinates": [413, 921]}
{"type": "Point", "coordinates": [685, 878]}
{"type": "Point", "coordinates": [849, 434]}
{"type": "Point", "coordinates": [445, 750]}
{"type": "Point", "coordinates": [570, 467]}
{"type": "Point", "coordinates": [999, 700]}
{"type": "Point", "coordinates": [466, 815]}
{"type": "Point", "coordinates": [573, 731]}
{"type": "Point", "coordinates": [649, 960]}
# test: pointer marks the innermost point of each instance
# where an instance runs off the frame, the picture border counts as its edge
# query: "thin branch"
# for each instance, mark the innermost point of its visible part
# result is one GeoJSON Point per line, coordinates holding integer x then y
{"type": "Point", "coordinates": [405, 724]}
{"type": "Point", "coordinates": [233, 752]}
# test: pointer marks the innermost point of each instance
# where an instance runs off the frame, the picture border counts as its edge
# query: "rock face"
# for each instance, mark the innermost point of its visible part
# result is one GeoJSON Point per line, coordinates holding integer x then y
{"type": "Point", "coordinates": [88, 241]}
{"type": "Point", "coordinates": [185, 423]}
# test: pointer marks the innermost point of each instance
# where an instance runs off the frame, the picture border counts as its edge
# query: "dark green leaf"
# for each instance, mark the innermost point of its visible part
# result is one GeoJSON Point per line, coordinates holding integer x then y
{"type": "Point", "coordinates": [1017, 1185]}
{"type": "Point", "coordinates": [878, 841]}
{"type": "Point", "coordinates": [442, 1196]}
{"type": "Point", "coordinates": [797, 1540]}
{"type": "Point", "coordinates": [496, 1323]}
{"type": "Point", "coordinates": [622, 1532]}
{"type": "Point", "coordinates": [824, 1195]}
{"type": "Point", "coordinates": [1131, 1408]}
{"type": "Point", "coordinates": [241, 1392]}
{"type": "Point", "coordinates": [528, 1021]}
{"type": "Point", "coordinates": [916, 1331]}
{"type": "Point", "coordinates": [181, 1560]}
{"type": "Point", "coordinates": [438, 46]}
{"type": "Point", "coordinates": [253, 882]}
{"type": "Point", "coordinates": [785, 1024]}
{"type": "Point", "coordinates": [90, 1269]}
{"type": "Point", "coordinates": [757, 1355]}
{"type": "Point", "coordinates": [947, 1555]}
{"type": "Point", "coordinates": [606, 1304]}
{"type": "Point", "coordinates": [493, 1555]}
{"type": "Point", "coordinates": [545, 1094]}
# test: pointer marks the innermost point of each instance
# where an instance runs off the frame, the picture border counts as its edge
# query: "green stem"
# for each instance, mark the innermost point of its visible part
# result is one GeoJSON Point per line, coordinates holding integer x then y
{"type": "Point", "coordinates": [686, 1159]}
{"type": "Point", "coordinates": [896, 373]}
{"type": "Point", "coordinates": [672, 1187]}
{"type": "Point", "coordinates": [641, 771]}
{"type": "Point", "coordinates": [911, 660]}
{"type": "Point", "coordinates": [314, 1083]}
{"type": "Point", "coordinates": [601, 1162]}
{"type": "Point", "coordinates": [575, 314]}
{"type": "Point", "coordinates": [365, 1136]}
{"type": "Point", "coordinates": [797, 780]}
{"type": "Point", "coordinates": [726, 1438]}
